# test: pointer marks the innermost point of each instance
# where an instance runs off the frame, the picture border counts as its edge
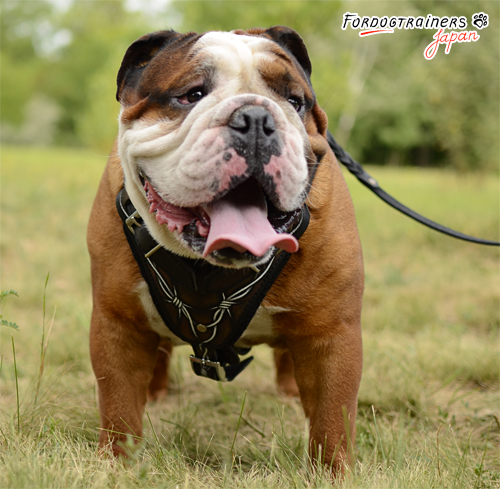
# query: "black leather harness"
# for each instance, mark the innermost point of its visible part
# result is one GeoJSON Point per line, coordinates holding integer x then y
{"type": "Point", "coordinates": [207, 306]}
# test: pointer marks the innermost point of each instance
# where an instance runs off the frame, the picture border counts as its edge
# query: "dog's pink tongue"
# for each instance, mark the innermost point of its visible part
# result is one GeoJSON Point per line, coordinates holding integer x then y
{"type": "Point", "coordinates": [239, 221]}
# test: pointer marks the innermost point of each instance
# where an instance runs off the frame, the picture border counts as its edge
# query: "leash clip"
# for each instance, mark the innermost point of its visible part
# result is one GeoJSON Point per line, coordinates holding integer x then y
{"type": "Point", "coordinates": [131, 221]}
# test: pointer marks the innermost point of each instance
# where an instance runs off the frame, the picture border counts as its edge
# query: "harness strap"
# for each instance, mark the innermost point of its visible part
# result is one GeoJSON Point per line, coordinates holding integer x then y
{"type": "Point", "coordinates": [359, 172]}
{"type": "Point", "coordinates": [204, 305]}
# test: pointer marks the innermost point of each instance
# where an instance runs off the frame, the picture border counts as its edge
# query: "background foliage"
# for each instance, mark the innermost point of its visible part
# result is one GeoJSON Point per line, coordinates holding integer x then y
{"type": "Point", "coordinates": [385, 102]}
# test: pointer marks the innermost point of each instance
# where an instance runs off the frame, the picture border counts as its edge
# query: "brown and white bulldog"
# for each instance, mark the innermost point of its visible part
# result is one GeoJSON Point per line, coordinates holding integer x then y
{"type": "Point", "coordinates": [221, 141]}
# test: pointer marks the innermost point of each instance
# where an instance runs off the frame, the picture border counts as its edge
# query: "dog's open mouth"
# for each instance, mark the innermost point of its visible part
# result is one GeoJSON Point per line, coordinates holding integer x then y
{"type": "Point", "coordinates": [243, 221]}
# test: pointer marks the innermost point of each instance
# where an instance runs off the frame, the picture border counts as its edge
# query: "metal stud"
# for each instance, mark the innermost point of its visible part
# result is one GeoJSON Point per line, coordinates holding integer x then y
{"type": "Point", "coordinates": [201, 328]}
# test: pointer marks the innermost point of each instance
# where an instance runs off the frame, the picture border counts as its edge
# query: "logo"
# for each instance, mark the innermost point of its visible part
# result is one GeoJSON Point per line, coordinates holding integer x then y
{"type": "Point", "coordinates": [370, 25]}
{"type": "Point", "coordinates": [480, 20]}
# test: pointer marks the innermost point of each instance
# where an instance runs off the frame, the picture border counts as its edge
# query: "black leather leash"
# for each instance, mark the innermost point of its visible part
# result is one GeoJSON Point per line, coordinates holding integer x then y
{"type": "Point", "coordinates": [359, 172]}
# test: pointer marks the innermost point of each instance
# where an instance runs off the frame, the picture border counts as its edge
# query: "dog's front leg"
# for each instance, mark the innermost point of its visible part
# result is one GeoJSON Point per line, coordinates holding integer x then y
{"type": "Point", "coordinates": [328, 373]}
{"type": "Point", "coordinates": [123, 359]}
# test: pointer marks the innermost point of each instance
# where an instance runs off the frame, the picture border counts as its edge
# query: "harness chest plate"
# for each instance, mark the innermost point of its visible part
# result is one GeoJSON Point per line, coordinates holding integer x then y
{"type": "Point", "coordinates": [204, 305]}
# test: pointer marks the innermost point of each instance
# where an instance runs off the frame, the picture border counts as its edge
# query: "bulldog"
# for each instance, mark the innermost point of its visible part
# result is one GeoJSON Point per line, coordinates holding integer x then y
{"type": "Point", "coordinates": [221, 149]}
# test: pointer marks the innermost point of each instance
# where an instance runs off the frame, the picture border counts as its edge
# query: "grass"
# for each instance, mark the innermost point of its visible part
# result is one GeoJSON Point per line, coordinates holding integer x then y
{"type": "Point", "coordinates": [429, 400]}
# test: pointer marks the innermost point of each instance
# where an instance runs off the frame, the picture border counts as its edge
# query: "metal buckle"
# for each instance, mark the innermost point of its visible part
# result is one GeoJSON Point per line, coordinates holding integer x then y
{"type": "Point", "coordinates": [131, 220]}
{"type": "Point", "coordinates": [219, 369]}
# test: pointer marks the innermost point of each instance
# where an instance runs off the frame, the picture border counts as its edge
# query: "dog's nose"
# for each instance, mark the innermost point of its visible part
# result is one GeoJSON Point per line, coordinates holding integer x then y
{"type": "Point", "coordinates": [254, 136]}
{"type": "Point", "coordinates": [253, 120]}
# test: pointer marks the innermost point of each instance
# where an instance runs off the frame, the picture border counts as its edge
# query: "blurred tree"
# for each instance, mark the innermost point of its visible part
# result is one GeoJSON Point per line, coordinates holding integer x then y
{"type": "Point", "coordinates": [59, 57]}
{"type": "Point", "coordinates": [97, 125]}
{"type": "Point", "coordinates": [439, 112]}
{"type": "Point", "coordinates": [99, 32]}
{"type": "Point", "coordinates": [465, 98]}
{"type": "Point", "coordinates": [20, 63]}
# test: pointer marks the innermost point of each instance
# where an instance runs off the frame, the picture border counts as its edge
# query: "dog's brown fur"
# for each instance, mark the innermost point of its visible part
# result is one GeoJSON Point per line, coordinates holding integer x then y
{"type": "Point", "coordinates": [318, 344]}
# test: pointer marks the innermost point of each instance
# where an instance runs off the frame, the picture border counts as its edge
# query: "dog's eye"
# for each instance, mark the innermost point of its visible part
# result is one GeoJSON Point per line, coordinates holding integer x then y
{"type": "Point", "coordinates": [193, 96]}
{"type": "Point", "coordinates": [297, 103]}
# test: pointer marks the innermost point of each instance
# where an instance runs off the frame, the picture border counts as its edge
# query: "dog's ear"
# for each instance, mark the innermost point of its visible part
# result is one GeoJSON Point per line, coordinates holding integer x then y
{"type": "Point", "coordinates": [138, 56]}
{"type": "Point", "coordinates": [290, 40]}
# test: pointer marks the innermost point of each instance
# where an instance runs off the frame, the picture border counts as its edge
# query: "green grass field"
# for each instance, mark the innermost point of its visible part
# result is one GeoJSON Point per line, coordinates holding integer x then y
{"type": "Point", "coordinates": [429, 400]}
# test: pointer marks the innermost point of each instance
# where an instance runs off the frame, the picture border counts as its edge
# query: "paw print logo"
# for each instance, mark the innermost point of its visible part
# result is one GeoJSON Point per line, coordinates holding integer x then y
{"type": "Point", "coordinates": [480, 20]}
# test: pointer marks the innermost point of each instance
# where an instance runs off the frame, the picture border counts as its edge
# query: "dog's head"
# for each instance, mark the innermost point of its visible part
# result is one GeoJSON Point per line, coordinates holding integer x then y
{"type": "Point", "coordinates": [219, 138]}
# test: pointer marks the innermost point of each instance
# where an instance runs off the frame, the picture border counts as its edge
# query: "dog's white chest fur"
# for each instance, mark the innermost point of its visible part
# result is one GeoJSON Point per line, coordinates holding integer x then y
{"type": "Point", "coordinates": [259, 330]}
